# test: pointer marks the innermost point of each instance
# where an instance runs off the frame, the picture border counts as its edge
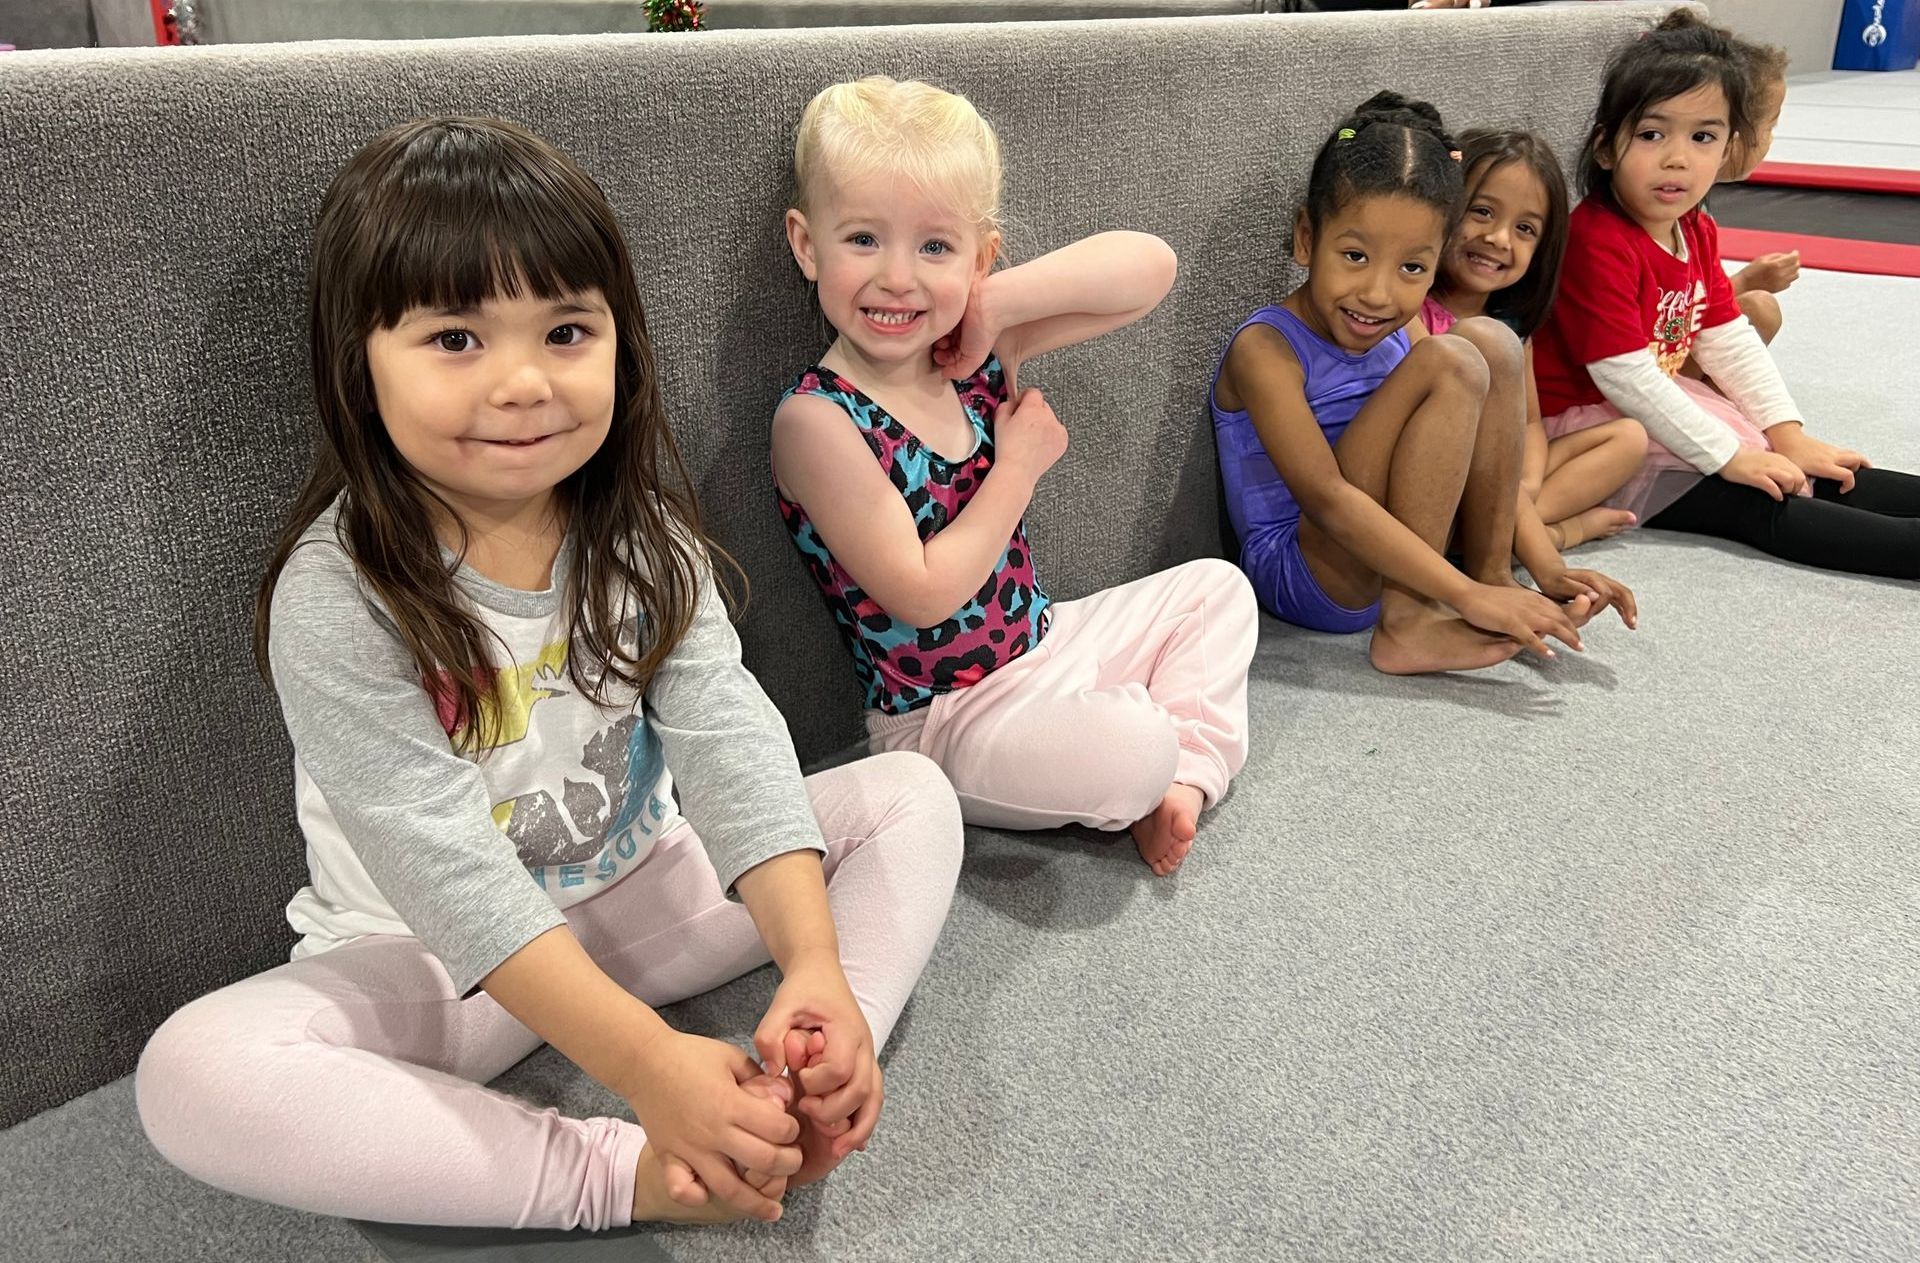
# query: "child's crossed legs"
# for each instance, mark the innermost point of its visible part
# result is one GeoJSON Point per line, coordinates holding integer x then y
{"type": "Point", "coordinates": [350, 1083]}
{"type": "Point", "coordinates": [1130, 714]}
{"type": "Point", "coordinates": [1438, 445]}
{"type": "Point", "coordinates": [1583, 469]}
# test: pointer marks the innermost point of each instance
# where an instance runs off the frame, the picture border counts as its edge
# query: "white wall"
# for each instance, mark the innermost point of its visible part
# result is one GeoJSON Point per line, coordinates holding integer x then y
{"type": "Point", "coordinates": [1805, 28]}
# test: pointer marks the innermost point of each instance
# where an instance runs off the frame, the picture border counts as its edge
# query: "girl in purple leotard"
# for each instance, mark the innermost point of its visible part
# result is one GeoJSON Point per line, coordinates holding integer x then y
{"type": "Point", "coordinates": [1355, 448]}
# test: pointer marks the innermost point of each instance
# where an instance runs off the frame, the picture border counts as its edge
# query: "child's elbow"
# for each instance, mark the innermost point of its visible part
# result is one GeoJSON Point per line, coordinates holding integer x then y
{"type": "Point", "coordinates": [915, 607]}
{"type": "Point", "coordinates": [920, 615]}
{"type": "Point", "coordinates": [1325, 505]}
{"type": "Point", "coordinates": [1162, 265]}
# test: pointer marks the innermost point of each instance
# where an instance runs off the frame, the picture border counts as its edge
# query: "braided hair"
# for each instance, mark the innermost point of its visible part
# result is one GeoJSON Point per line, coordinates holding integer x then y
{"type": "Point", "coordinates": [1389, 145]}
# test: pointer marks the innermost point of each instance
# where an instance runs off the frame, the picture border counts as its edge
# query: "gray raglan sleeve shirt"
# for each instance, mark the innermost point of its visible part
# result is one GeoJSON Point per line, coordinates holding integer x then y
{"type": "Point", "coordinates": [419, 816]}
{"type": "Point", "coordinates": [734, 769]}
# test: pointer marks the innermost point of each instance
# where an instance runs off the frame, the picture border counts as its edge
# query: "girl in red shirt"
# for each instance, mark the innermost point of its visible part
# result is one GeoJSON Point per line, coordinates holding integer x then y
{"type": "Point", "coordinates": [1642, 289]}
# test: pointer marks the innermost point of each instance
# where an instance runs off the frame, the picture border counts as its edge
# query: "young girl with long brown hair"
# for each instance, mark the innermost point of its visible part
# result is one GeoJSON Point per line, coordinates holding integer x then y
{"type": "Point", "coordinates": [494, 630]}
{"type": "Point", "coordinates": [1504, 261]}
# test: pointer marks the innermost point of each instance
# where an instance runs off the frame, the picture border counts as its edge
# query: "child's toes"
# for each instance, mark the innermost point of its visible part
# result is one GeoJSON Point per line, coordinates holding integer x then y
{"type": "Point", "coordinates": [795, 1046]}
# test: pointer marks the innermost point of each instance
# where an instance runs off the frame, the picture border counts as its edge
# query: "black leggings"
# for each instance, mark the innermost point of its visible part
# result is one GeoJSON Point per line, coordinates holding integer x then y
{"type": "Point", "coordinates": [1873, 529]}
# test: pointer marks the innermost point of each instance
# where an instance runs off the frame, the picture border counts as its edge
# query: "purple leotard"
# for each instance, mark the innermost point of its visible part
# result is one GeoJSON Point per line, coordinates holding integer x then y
{"type": "Point", "coordinates": [1264, 513]}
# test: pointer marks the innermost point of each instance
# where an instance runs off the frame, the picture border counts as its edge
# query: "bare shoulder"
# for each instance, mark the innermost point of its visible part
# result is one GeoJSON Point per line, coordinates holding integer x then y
{"type": "Point", "coordinates": [1259, 358]}
{"type": "Point", "coordinates": [807, 412]}
{"type": "Point", "coordinates": [816, 448]}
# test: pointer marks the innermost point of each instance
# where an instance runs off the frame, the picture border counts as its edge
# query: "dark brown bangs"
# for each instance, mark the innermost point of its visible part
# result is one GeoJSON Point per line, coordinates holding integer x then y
{"type": "Point", "coordinates": [468, 227]}
{"type": "Point", "coordinates": [1682, 54]}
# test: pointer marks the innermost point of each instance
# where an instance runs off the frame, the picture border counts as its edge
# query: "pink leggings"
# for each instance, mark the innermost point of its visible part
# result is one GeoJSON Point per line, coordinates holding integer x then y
{"type": "Point", "coordinates": [349, 1083]}
{"type": "Point", "coordinates": [1134, 688]}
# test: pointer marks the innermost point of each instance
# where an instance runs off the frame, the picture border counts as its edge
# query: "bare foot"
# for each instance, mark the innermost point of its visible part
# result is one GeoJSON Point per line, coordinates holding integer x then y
{"type": "Point", "coordinates": [652, 1200]}
{"type": "Point", "coordinates": [806, 1049]}
{"type": "Point", "coordinates": [1432, 641]}
{"type": "Point", "coordinates": [1584, 528]}
{"type": "Point", "coordinates": [1165, 837]}
{"type": "Point", "coordinates": [1581, 609]}
{"type": "Point", "coordinates": [652, 1203]}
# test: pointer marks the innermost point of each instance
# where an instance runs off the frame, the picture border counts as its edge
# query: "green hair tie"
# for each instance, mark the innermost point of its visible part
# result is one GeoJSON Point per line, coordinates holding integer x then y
{"type": "Point", "coordinates": [1346, 133]}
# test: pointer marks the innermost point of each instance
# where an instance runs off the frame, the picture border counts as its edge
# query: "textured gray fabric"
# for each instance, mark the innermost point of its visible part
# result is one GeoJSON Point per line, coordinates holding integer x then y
{"type": "Point", "coordinates": [269, 21]}
{"type": "Point", "coordinates": [154, 214]}
{"type": "Point", "coordinates": [733, 14]}
{"type": "Point", "coordinates": [1614, 958]}
{"type": "Point", "coordinates": [46, 23]}
{"type": "Point", "coordinates": [123, 24]}
{"type": "Point", "coordinates": [409, 1244]}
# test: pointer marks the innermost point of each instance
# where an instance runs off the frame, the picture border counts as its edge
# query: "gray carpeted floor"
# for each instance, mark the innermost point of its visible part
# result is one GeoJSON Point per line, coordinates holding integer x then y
{"type": "Point", "coordinates": [1612, 958]}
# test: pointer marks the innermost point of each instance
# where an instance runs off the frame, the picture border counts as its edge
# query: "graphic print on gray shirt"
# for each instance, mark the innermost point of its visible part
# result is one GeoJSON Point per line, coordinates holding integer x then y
{"type": "Point", "coordinates": [476, 855]}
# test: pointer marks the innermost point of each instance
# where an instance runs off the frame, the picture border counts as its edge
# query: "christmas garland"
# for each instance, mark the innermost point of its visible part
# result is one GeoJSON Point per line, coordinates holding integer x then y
{"type": "Point", "coordinates": [674, 15]}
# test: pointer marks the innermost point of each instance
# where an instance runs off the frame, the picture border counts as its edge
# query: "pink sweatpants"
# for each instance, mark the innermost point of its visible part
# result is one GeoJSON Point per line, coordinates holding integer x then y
{"type": "Point", "coordinates": [1134, 688]}
{"type": "Point", "coordinates": [349, 1083]}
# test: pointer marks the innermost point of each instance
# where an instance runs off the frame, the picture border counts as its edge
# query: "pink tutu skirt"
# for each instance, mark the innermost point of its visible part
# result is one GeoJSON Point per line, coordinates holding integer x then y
{"type": "Point", "coordinates": [1662, 477]}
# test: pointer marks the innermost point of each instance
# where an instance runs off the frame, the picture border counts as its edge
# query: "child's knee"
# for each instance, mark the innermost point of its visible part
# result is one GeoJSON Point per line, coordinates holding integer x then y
{"type": "Point", "coordinates": [185, 1071]}
{"type": "Point", "coordinates": [1630, 435]}
{"type": "Point", "coordinates": [1763, 313]}
{"type": "Point", "coordinates": [1227, 588]}
{"type": "Point", "coordinates": [1498, 345]}
{"type": "Point", "coordinates": [1452, 363]}
{"type": "Point", "coordinates": [1136, 757]}
{"type": "Point", "coordinates": [920, 790]}
{"type": "Point", "coordinates": [1235, 609]}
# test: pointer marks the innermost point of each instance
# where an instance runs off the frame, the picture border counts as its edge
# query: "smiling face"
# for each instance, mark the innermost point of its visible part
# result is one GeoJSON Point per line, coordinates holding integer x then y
{"type": "Point", "coordinates": [1506, 218]}
{"type": "Point", "coordinates": [1369, 266]}
{"type": "Point", "coordinates": [493, 406]}
{"type": "Point", "coordinates": [1665, 162]}
{"type": "Point", "coordinates": [894, 265]}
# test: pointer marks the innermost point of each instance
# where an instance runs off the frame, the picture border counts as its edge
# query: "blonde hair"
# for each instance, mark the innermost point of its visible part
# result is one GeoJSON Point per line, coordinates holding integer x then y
{"type": "Point", "coordinates": [878, 125]}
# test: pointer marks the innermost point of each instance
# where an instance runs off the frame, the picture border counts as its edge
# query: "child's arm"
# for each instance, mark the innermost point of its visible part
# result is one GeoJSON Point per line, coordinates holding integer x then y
{"type": "Point", "coordinates": [823, 465]}
{"type": "Point", "coordinates": [1634, 384]}
{"type": "Point", "coordinates": [418, 819]}
{"type": "Point", "coordinates": [739, 785]}
{"type": "Point", "coordinates": [1770, 272]}
{"type": "Point", "coordinates": [1743, 368]}
{"type": "Point", "coordinates": [1534, 547]}
{"type": "Point", "coordinates": [1533, 460]}
{"type": "Point", "coordinates": [787, 897]}
{"type": "Point", "coordinates": [684, 1089]}
{"type": "Point", "coordinates": [1077, 292]}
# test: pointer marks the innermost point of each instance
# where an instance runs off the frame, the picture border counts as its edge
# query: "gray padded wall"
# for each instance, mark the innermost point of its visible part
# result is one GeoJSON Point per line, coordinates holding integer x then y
{"type": "Point", "coordinates": [154, 212]}
{"type": "Point", "coordinates": [268, 21]}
